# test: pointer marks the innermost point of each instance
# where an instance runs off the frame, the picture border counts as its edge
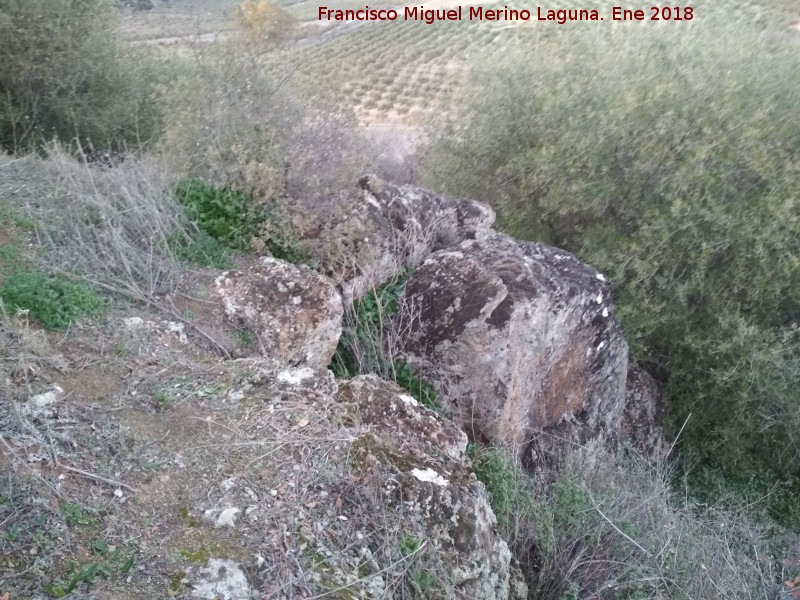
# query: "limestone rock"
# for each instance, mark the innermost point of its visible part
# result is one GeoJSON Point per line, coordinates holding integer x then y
{"type": "Point", "coordinates": [294, 312]}
{"type": "Point", "coordinates": [431, 486]}
{"type": "Point", "coordinates": [390, 227]}
{"type": "Point", "coordinates": [517, 338]}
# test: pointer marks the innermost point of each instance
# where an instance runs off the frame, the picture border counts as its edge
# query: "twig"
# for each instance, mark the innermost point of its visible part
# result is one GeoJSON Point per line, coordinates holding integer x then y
{"type": "Point", "coordinates": [113, 482]}
{"type": "Point", "coordinates": [677, 437]}
{"type": "Point", "coordinates": [610, 522]}
{"type": "Point", "coordinates": [150, 443]}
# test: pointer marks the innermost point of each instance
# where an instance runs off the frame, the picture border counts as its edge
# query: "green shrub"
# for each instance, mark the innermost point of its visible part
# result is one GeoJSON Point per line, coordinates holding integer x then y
{"type": "Point", "coordinates": [200, 249]}
{"type": "Point", "coordinates": [55, 301]}
{"type": "Point", "coordinates": [229, 219]}
{"type": "Point", "coordinates": [63, 74]}
{"type": "Point", "coordinates": [667, 158]}
{"type": "Point", "coordinates": [227, 215]}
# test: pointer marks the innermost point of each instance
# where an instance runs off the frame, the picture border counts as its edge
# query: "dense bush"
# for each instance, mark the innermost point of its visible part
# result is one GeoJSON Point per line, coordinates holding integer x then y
{"type": "Point", "coordinates": [667, 158]}
{"type": "Point", "coordinates": [225, 214]}
{"type": "Point", "coordinates": [63, 74]}
{"type": "Point", "coordinates": [232, 117]}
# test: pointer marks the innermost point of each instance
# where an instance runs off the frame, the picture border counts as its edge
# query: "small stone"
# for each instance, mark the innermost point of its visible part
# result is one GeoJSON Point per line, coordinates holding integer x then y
{"type": "Point", "coordinates": [227, 518]}
{"type": "Point", "coordinates": [132, 323]}
{"type": "Point", "coordinates": [48, 398]}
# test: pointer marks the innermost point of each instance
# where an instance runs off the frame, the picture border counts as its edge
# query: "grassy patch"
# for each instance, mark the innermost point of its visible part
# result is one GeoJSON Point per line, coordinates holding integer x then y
{"type": "Point", "coordinates": [363, 345]}
{"type": "Point", "coordinates": [367, 340]}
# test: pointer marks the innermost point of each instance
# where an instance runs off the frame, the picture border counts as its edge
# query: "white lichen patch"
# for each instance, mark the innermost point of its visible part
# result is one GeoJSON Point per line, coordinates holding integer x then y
{"type": "Point", "coordinates": [429, 476]}
{"type": "Point", "coordinates": [222, 579]}
{"type": "Point", "coordinates": [133, 323]}
{"type": "Point", "coordinates": [48, 398]}
{"type": "Point", "coordinates": [601, 277]}
{"type": "Point", "coordinates": [177, 328]}
{"type": "Point", "coordinates": [408, 400]}
{"type": "Point", "coordinates": [295, 376]}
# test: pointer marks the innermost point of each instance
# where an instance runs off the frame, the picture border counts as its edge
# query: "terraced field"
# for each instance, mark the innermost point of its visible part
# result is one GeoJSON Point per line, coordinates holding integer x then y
{"type": "Point", "coordinates": [398, 69]}
{"type": "Point", "coordinates": [408, 71]}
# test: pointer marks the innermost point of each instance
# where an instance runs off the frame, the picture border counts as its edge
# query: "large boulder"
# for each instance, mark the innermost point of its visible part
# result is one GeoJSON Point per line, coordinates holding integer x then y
{"type": "Point", "coordinates": [431, 489]}
{"type": "Point", "coordinates": [517, 338]}
{"type": "Point", "coordinates": [294, 313]}
{"type": "Point", "coordinates": [385, 228]}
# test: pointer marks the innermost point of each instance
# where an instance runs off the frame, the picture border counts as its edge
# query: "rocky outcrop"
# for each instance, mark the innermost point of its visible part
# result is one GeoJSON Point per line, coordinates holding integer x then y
{"type": "Point", "coordinates": [641, 420]}
{"type": "Point", "coordinates": [294, 313]}
{"type": "Point", "coordinates": [431, 487]}
{"type": "Point", "coordinates": [389, 227]}
{"type": "Point", "coordinates": [517, 338]}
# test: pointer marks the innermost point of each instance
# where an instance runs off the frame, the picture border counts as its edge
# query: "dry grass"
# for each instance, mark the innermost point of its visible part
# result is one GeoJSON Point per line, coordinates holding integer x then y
{"type": "Point", "coordinates": [589, 527]}
{"type": "Point", "coordinates": [109, 224]}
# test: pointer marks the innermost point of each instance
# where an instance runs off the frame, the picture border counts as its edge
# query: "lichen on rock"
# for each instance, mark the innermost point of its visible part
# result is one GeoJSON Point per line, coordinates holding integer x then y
{"type": "Point", "coordinates": [517, 338]}
{"type": "Point", "coordinates": [431, 486]}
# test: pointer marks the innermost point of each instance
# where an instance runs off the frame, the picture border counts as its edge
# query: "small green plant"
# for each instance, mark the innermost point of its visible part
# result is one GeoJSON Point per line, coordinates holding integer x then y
{"type": "Point", "coordinates": [509, 488]}
{"type": "Point", "coordinates": [229, 219]}
{"type": "Point", "coordinates": [362, 345]}
{"type": "Point", "coordinates": [88, 574]}
{"type": "Point", "coordinates": [13, 533]}
{"type": "Point", "coordinates": [77, 515]}
{"type": "Point", "coordinates": [244, 338]}
{"type": "Point", "coordinates": [422, 391]}
{"type": "Point", "coordinates": [187, 517]}
{"type": "Point", "coordinates": [409, 544]}
{"type": "Point", "coordinates": [163, 399]}
{"type": "Point", "coordinates": [98, 547]}
{"type": "Point", "coordinates": [54, 300]}
{"type": "Point", "coordinates": [360, 348]}
{"type": "Point", "coordinates": [423, 583]}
